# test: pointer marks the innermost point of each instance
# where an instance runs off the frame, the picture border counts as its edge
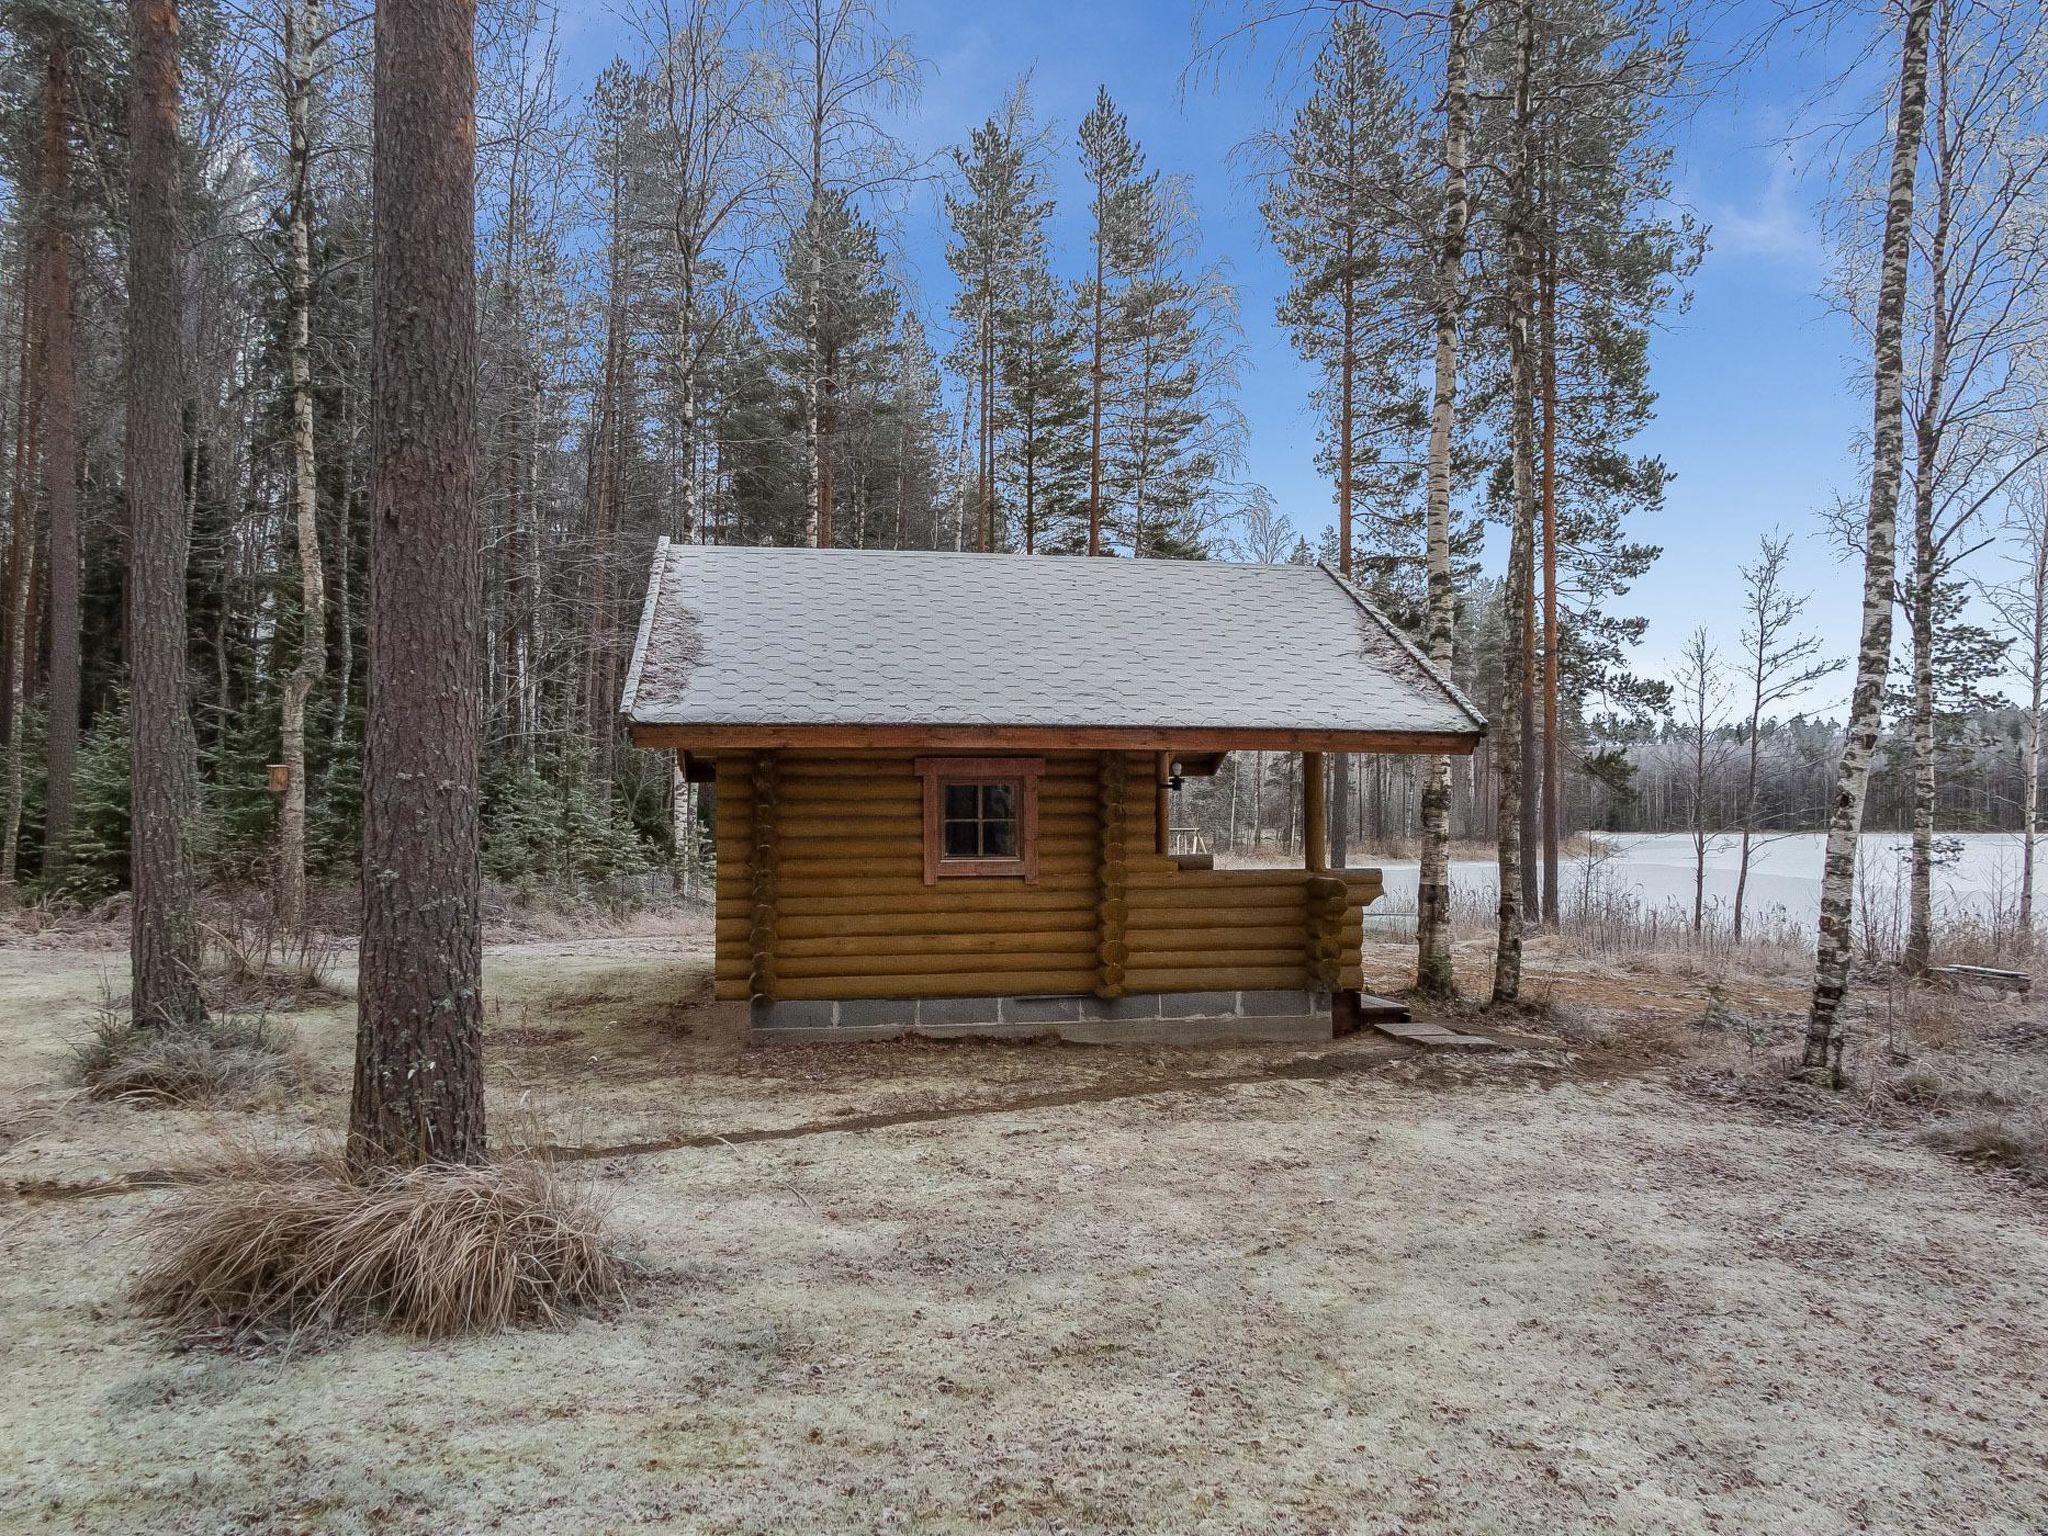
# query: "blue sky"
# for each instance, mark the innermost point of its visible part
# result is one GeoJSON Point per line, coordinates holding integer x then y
{"type": "Point", "coordinates": [1758, 411]}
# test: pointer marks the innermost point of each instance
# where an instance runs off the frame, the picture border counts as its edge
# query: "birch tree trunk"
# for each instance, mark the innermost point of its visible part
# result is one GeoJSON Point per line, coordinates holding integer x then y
{"type": "Point", "coordinates": [302, 20]}
{"type": "Point", "coordinates": [1507, 962]}
{"type": "Point", "coordinates": [1873, 660]}
{"type": "Point", "coordinates": [1553, 748]}
{"type": "Point", "coordinates": [1433, 977]}
{"type": "Point", "coordinates": [419, 1094]}
{"type": "Point", "coordinates": [1929, 422]}
{"type": "Point", "coordinates": [164, 776]}
{"type": "Point", "coordinates": [2035, 609]}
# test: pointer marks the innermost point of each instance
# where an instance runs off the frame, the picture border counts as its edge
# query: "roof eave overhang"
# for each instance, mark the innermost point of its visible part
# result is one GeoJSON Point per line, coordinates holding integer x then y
{"type": "Point", "coordinates": [1043, 738]}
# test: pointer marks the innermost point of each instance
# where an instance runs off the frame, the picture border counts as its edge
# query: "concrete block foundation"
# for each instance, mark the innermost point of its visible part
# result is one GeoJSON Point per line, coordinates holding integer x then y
{"type": "Point", "coordinates": [1171, 1018]}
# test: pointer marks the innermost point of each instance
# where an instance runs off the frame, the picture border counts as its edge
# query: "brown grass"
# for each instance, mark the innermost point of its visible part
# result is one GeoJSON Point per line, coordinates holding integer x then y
{"type": "Point", "coordinates": [225, 1061]}
{"type": "Point", "coordinates": [277, 1247]}
{"type": "Point", "coordinates": [2017, 1141]}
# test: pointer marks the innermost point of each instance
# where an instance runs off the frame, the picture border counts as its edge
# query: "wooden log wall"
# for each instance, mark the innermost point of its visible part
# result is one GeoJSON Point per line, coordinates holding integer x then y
{"type": "Point", "coordinates": [821, 893]}
{"type": "Point", "coordinates": [1212, 930]}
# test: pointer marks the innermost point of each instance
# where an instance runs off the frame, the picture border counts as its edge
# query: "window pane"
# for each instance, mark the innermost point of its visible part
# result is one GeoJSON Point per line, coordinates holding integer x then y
{"type": "Point", "coordinates": [963, 840]}
{"type": "Point", "coordinates": [959, 802]}
{"type": "Point", "coordinates": [999, 839]}
{"type": "Point", "coordinates": [998, 801]}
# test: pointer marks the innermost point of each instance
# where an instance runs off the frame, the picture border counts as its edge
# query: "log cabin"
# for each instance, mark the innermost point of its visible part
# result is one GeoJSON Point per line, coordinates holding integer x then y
{"type": "Point", "coordinates": [942, 784]}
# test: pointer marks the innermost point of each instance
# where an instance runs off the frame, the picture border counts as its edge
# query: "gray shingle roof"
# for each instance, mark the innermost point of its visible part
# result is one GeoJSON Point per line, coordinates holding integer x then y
{"type": "Point", "coordinates": [805, 637]}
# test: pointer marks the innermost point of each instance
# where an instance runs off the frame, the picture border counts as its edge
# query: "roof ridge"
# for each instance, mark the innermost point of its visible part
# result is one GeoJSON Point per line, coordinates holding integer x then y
{"type": "Point", "coordinates": [1415, 652]}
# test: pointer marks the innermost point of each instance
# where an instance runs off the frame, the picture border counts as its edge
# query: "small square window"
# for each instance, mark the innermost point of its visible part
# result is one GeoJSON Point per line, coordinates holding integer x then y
{"type": "Point", "coordinates": [980, 817]}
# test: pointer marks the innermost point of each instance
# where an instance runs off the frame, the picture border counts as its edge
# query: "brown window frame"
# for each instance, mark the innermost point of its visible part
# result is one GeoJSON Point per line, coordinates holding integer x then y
{"type": "Point", "coordinates": [1021, 772]}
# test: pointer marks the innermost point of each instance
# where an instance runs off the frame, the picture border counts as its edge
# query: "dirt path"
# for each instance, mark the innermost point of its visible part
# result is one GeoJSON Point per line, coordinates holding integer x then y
{"type": "Point", "coordinates": [1371, 1057]}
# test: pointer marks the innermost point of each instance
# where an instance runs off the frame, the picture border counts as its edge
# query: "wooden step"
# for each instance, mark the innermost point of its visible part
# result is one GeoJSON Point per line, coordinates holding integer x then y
{"type": "Point", "coordinates": [1430, 1036]}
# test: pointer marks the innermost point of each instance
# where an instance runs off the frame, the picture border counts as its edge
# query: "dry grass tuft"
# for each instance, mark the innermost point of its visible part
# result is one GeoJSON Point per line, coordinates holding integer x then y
{"type": "Point", "coordinates": [275, 1248]}
{"type": "Point", "coordinates": [2012, 1141]}
{"type": "Point", "coordinates": [226, 1061]}
{"type": "Point", "coordinates": [253, 963]}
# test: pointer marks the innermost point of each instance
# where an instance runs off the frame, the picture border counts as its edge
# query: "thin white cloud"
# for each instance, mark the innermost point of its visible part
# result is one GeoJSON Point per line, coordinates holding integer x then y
{"type": "Point", "coordinates": [1773, 223]}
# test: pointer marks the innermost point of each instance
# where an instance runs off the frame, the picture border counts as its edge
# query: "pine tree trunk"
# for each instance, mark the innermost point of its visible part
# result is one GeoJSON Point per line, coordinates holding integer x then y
{"type": "Point", "coordinates": [60, 462]}
{"type": "Point", "coordinates": [419, 1073]}
{"type": "Point", "coordinates": [1833, 948]}
{"type": "Point", "coordinates": [1513, 758]}
{"type": "Point", "coordinates": [1433, 976]}
{"type": "Point", "coordinates": [17, 644]}
{"type": "Point", "coordinates": [164, 774]}
{"type": "Point", "coordinates": [301, 26]}
{"type": "Point", "coordinates": [1095, 400]}
{"type": "Point", "coordinates": [1340, 762]}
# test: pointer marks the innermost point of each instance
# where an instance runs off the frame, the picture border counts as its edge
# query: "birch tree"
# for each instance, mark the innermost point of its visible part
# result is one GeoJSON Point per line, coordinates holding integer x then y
{"type": "Point", "coordinates": [1511, 747]}
{"type": "Point", "coordinates": [1873, 658]}
{"type": "Point", "coordinates": [1779, 664]}
{"type": "Point", "coordinates": [1981, 231]}
{"type": "Point", "coordinates": [300, 28]}
{"type": "Point", "coordinates": [1433, 975]}
{"type": "Point", "coordinates": [2022, 605]}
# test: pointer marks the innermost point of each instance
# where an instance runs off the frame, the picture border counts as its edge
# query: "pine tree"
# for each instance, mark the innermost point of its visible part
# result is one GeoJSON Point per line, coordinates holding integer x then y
{"type": "Point", "coordinates": [997, 217]}
{"type": "Point", "coordinates": [1122, 221]}
{"type": "Point", "coordinates": [1043, 414]}
{"type": "Point", "coordinates": [1340, 213]}
{"type": "Point", "coordinates": [165, 795]}
{"type": "Point", "coordinates": [916, 417]}
{"type": "Point", "coordinates": [1171, 428]}
{"type": "Point", "coordinates": [418, 1094]}
{"type": "Point", "coordinates": [837, 313]}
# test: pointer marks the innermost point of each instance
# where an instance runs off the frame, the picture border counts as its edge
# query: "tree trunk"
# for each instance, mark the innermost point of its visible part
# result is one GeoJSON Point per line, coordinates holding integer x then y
{"type": "Point", "coordinates": [1832, 950]}
{"type": "Point", "coordinates": [60, 461]}
{"type": "Point", "coordinates": [1095, 400]}
{"type": "Point", "coordinates": [164, 774]}
{"type": "Point", "coordinates": [1507, 964]}
{"type": "Point", "coordinates": [2031, 796]}
{"type": "Point", "coordinates": [1920, 618]}
{"type": "Point", "coordinates": [1433, 977]}
{"type": "Point", "coordinates": [18, 642]}
{"type": "Point", "coordinates": [419, 1095]}
{"type": "Point", "coordinates": [2037, 683]}
{"type": "Point", "coordinates": [301, 27]}
{"type": "Point", "coordinates": [1553, 748]}
{"type": "Point", "coordinates": [1340, 763]}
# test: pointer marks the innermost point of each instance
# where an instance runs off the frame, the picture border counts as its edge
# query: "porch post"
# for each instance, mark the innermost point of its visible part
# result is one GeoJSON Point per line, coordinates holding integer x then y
{"type": "Point", "coordinates": [1314, 817]}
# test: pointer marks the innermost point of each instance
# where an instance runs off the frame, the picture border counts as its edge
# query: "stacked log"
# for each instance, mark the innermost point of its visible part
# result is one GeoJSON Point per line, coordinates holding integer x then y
{"type": "Point", "coordinates": [1112, 908]}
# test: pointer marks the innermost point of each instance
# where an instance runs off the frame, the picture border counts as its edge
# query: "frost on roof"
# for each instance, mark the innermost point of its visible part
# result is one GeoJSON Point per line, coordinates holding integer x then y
{"type": "Point", "coordinates": [747, 636]}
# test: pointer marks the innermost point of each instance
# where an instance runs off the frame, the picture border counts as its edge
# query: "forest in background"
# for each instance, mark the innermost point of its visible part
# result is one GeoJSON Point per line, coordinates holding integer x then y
{"type": "Point", "coordinates": [693, 321]}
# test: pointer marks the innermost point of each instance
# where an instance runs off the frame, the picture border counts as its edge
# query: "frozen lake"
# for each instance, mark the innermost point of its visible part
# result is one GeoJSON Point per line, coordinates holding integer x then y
{"type": "Point", "coordinates": [1976, 874]}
